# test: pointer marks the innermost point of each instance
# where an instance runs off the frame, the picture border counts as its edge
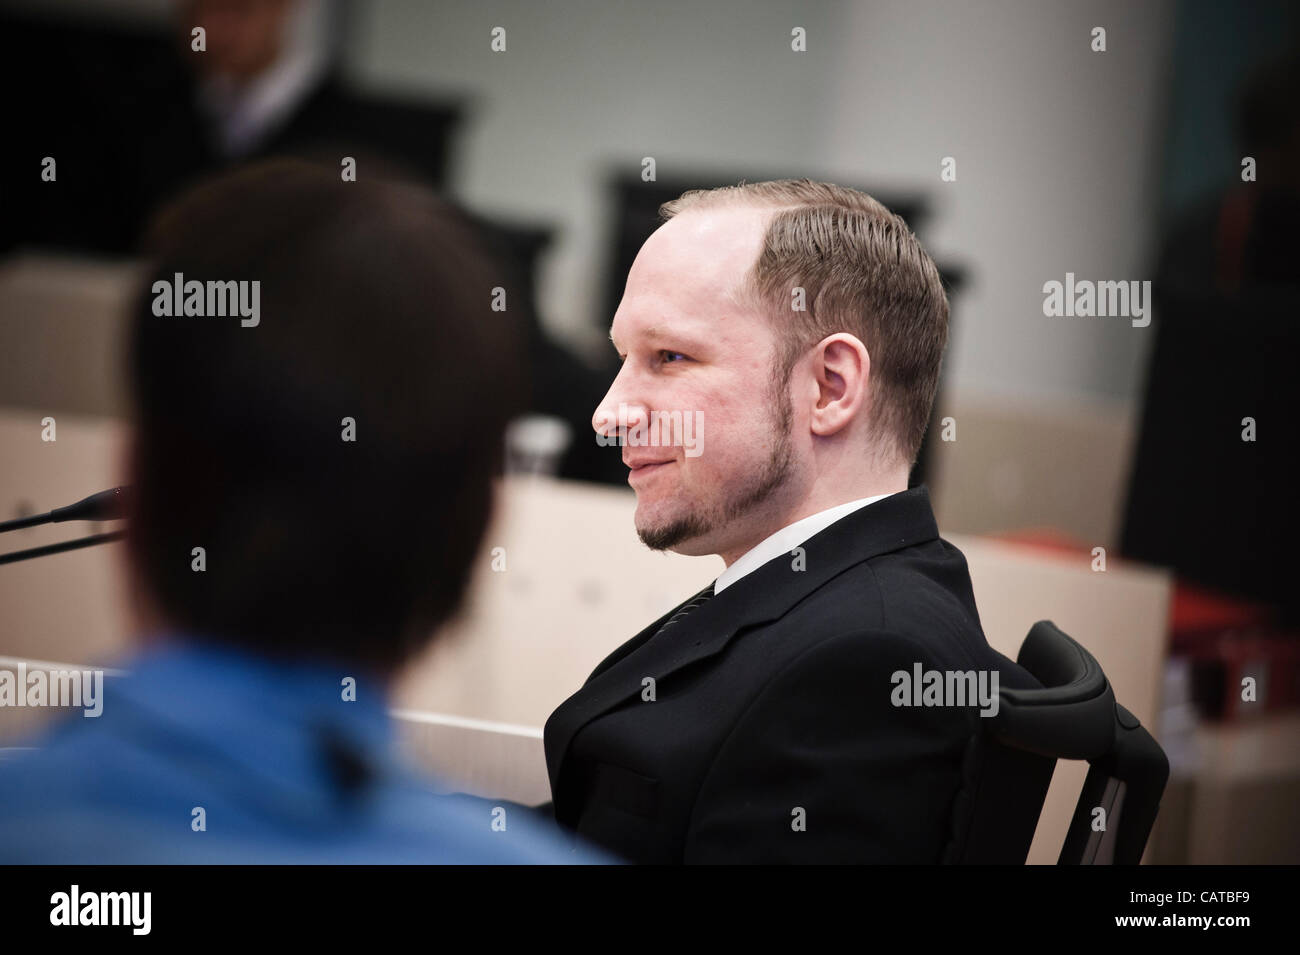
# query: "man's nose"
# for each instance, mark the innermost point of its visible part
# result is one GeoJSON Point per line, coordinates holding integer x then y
{"type": "Point", "coordinates": [617, 410]}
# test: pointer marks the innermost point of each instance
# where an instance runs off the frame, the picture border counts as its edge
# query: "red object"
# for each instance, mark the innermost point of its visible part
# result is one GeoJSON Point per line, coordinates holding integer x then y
{"type": "Point", "coordinates": [1227, 639]}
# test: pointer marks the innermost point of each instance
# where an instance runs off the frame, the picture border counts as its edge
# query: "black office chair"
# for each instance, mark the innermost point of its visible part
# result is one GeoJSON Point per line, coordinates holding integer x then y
{"type": "Point", "coordinates": [1009, 763]}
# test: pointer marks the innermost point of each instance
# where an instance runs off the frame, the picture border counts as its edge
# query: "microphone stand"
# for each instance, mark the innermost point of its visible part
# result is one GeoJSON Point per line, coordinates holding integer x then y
{"type": "Point", "coordinates": [104, 506]}
{"type": "Point", "coordinates": [80, 542]}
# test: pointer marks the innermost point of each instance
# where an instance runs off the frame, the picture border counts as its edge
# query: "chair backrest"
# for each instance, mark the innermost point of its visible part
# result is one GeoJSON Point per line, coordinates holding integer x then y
{"type": "Point", "coordinates": [1009, 764]}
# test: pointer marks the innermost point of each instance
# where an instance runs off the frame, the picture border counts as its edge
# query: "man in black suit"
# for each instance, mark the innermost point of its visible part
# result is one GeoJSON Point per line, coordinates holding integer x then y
{"type": "Point", "coordinates": [778, 715]}
{"type": "Point", "coordinates": [137, 114]}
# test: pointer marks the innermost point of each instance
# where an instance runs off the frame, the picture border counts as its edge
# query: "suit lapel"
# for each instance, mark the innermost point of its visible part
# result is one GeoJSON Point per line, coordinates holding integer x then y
{"type": "Point", "coordinates": [901, 520]}
{"type": "Point", "coordinates": [639, 639]}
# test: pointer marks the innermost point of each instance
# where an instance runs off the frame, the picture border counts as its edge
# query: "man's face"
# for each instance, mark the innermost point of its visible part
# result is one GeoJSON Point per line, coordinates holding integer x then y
{"type": "Point", "coordinates": [244, 37]}
{"type": "Point", "coordinates": [691, 344]}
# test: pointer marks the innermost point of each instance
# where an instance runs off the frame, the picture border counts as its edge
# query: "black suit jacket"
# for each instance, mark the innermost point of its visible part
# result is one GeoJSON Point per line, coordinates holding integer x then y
{"type": "Point", "coordinates": [772, 736]}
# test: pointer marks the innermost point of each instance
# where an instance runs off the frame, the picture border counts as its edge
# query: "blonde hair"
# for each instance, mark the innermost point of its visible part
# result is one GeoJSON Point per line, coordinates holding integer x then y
{"type": "Point", "coordinates": [863, 272]}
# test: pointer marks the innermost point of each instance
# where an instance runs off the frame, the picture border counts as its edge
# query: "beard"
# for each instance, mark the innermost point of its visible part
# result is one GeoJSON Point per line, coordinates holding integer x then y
{"type": "Point", "coordinates": [740, 496]}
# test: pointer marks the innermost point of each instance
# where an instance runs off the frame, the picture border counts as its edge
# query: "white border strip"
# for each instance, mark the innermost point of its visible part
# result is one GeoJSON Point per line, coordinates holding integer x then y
{"type": "Point", "coordinates": [464, 722]}
{"type": "Point", "coordinates": [414, 716]}
{"type": "Point", "coordinates": [6, 662]}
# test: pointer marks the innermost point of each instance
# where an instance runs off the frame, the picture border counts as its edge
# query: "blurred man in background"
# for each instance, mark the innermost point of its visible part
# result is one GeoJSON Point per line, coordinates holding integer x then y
{"type": "Point", "coordinates": [312, 475]}
{"type": "Point", "coordinates": [135, 116]}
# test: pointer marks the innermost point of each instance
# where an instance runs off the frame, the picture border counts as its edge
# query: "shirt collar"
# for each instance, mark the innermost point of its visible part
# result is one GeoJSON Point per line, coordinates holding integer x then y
{"type": "Point", "coordinates": [787, 539]}
{"type": "Point", "coordinates": [267, 715]}
{"type": "Point", "coordinates": [245, 116]}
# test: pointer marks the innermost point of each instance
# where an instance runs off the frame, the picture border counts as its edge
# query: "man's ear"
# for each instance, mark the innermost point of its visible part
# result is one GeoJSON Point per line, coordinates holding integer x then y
{"type": "Point", "coordinates": [841, 369]}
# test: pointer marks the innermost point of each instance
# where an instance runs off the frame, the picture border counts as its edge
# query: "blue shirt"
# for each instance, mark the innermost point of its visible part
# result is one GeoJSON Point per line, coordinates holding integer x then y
{"type": "Point", "coordinates": [282, 767]}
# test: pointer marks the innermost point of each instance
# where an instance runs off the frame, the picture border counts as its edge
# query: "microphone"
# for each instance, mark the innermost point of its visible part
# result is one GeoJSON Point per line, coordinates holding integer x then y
{"type": "Point", "coordinates": [105, 506]}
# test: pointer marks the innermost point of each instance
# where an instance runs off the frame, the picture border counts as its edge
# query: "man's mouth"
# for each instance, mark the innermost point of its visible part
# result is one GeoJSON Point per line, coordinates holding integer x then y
{"type": "Point", "coordinates": [638, 470]}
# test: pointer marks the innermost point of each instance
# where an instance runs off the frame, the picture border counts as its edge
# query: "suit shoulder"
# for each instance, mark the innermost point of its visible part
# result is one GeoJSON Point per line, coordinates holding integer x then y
{"type": "Point", "coordinates": [920, 596]}
{"type": "Point", "coordinates": [921, 593]}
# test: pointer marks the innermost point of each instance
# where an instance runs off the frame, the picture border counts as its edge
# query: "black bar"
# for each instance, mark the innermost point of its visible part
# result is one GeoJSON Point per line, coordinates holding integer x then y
{"type": "Point", "coordinates": [20, 522]}
{"type": "Point", "coordinates": [60, 548]}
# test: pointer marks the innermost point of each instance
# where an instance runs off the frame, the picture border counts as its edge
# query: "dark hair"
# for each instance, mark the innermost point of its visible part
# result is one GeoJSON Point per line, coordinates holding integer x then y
{"type": "Point", "coordinates": [375, 305]}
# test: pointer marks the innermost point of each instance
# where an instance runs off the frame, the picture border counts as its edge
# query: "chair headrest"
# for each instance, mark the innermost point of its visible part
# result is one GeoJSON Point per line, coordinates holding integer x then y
{"type": "Point", "coordinates": [1073, 715]}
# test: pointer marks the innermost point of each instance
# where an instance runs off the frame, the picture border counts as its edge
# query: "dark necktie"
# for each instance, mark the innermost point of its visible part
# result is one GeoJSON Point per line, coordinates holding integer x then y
{"type": "Point", "coordinates": [698, 600]}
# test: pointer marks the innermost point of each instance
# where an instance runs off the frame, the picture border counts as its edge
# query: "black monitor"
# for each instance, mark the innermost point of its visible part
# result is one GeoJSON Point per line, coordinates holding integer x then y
{"type": "Point", "coordinates": [1220, 511]}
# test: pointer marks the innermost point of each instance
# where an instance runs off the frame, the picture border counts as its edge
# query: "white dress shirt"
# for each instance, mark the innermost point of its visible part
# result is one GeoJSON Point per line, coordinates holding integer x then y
{"type": "Point", "coordinates": [787, 539]}
{"type": "Point", "coordinates": [243, 117]}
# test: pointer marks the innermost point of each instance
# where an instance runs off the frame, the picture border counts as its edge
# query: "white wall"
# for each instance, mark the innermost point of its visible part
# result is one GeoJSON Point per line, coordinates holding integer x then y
{"type": "Point", "coordinates": [1054, 144]}
{"type": "Point", "coordinates": [587, 83]}
{"type": "Point", "coordinates": [1056, 150]}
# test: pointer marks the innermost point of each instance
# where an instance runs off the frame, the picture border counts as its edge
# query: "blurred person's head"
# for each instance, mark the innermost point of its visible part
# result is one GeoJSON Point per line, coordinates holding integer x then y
{"type": "Point", "coordinates": [807, 325]}
{"type": "Point", "coordinates": [335, 459]}
{"type": "Point", "coordinates": [243, 37]}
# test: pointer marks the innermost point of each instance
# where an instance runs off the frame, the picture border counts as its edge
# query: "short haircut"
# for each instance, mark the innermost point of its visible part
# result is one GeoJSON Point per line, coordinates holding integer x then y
{"type": "Point", "coordinates": [375, 306]}
{"type": "Point", "coordinates": [863, 272]}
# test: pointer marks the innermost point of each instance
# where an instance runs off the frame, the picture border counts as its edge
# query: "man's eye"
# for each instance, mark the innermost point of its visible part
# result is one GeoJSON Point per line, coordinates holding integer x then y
{"type": "Point", "coordinates": [671, 356]}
